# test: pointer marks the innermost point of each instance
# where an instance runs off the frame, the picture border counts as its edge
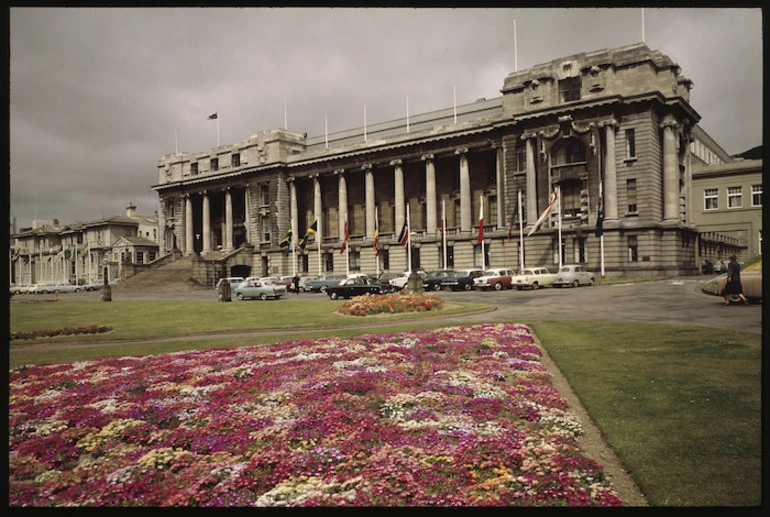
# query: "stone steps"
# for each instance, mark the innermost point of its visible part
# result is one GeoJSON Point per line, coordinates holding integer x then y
{"type": "Point", "coordinates": [173, 276]}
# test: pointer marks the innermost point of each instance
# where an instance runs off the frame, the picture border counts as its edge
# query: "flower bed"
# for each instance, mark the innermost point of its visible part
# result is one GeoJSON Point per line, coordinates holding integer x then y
{"type": "Point", "coordinates": [65, 331]}
{"type": "Point", "coordinates": [391, 303]}
{"type": "Point", "coordinates": [454, 416]}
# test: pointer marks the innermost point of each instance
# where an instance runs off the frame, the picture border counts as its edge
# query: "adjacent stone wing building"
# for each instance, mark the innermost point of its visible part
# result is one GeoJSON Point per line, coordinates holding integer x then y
{"type": "Point", "coordinates": [617, 121]}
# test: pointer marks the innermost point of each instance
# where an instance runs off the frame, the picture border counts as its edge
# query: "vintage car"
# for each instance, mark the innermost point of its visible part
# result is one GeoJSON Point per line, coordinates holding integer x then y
{"type": "Point", "coordinates": [383, 279]}
{"type": "Point", "coordinates": [533, 278]}
{"type": "Point", "coordinates": [573, 275]}
{"type": "Point", "coordinates": [321, 284]}
{"type": "Point", "coordinates": [234, 281]}
{"type": "Point", "coordinates": [461, 279]}
{"type": "Point", "coordinates": [258, 289]}
{"type": "Point", "coordinates": [496, 278]}
{"type": "Point", "coordinates": [428, 283]}
{"type": "Point", "coordinates": [64, 288]}
{"type": "Point", "coordinates": [354, 285]}
{"type": "Point", "coordinates": [751, 281]}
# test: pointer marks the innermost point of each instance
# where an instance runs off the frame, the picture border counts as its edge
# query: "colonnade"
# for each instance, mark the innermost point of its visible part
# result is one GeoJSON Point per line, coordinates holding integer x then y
{"type": "Point", "coordinates": [228, 238]}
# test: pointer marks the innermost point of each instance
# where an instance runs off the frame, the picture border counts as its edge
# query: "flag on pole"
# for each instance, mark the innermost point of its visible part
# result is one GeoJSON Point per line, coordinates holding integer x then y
{"type": "Point", "coordinates": [84, 249]}
{"type": "Point", "coordinates": [514, 217]}
{"type": "Point", "coordinates": [213, 116]}
{"type": "Point", "coordinates": [548, 209]}
{"type": "Point", "coordinates": [346, 237]}
{"type": "Point", "coordinates": [481, 221]}
{"type": "Point", "coordinates": [600, 217]}
{"type": "Point", "coordinates": [309, 233]}
{"type": "Point", "coordinates": [403, 237]}
{"type": "Point", "coordinates": [67, 254]}
{"type": "Point", "coordinates": [286, 241]}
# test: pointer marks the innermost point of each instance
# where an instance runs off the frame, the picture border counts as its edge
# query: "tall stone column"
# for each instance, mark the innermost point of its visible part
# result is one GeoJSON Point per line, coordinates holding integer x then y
{"type": "Point", "coordinates": [500, 186]}
{"type": "Point", "coordinates": [532, 214]}
{"type": "Point", "coordinates": [670, 172]}
{"type": "Point", "coordinates": [610, 184]}
{"type": "Point", "coordinates": [189, 238]}
{"type": "Point", "coordinates": [317, 205]}
{"type": "Point", "coordinates": [370, 203]}
{"type": "Point", "coordinates": [293, 208]}
{"type": "Point", "coordinates": [206, 223]}
{"type": "Point", "coordinates": [465, 191]}
{"type": "Point", "coordinates": [399, 195]}
{"type": "Point", "coordinates": [430, 194]}
{"type": "Point", "coordinates": [228, 220]}
{"type": "Point", "coordinates": [247, 216]}
{"type": "Point", "coordinates": [342, 201]}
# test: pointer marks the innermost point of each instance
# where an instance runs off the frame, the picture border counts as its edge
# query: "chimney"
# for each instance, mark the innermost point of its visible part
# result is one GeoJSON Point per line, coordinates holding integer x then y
{"type": "Point", "coordinates": [131, 210]}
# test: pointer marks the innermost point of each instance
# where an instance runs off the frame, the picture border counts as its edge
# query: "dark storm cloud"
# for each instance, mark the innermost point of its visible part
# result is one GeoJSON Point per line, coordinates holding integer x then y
{"type": "Point", "coordinates": [99, 95]}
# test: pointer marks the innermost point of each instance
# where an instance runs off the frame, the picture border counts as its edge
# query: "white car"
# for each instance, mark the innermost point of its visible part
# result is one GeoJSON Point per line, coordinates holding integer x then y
{"type": "Point", "coordinates": [533, 278]}
{"type": "Point", "coordinates": [573, 275]}
{"type": "Point", "coordinates": [64, 288]}
{"type": "Point", "coordinates": [234, 281]}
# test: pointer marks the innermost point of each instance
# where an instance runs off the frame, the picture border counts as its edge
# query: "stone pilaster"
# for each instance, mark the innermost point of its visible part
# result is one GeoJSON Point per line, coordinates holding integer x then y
{"type": "Point", "coordinates": [430, 194]}
{"type": "Point", "coordinates": [465, 191]}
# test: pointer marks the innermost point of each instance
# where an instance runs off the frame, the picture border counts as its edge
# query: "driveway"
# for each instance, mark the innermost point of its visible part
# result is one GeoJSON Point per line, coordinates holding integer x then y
{"type": "Point", "coordinates": [678, 300]}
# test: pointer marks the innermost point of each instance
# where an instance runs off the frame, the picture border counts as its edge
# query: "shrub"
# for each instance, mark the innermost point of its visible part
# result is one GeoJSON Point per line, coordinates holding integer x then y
{"type": "Point", "coordinates": [368, 305]}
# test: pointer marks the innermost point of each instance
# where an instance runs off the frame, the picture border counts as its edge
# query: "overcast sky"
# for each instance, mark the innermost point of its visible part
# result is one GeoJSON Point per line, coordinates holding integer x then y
{"type": "Point", "coordinates": [98, 96]}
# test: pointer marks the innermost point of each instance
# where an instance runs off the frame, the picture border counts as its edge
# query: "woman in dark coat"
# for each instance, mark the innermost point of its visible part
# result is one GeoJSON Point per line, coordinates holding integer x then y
{"type": "Point", "coordinates": [733, 286]}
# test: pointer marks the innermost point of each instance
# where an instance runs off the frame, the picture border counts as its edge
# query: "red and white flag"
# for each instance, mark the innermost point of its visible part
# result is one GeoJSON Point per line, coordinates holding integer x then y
{"type": "Point", "coordinates": [547, 212]}
{"type": "Point", "coordinates": [481, 221]}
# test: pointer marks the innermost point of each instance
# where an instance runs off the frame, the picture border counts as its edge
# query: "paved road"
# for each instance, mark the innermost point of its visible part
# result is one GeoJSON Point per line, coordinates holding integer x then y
{"type": "Point", "coordinates": [678, 300]}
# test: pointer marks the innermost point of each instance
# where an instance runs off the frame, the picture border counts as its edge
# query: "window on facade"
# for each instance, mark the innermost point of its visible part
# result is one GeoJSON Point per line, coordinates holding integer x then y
{"type": "Point", "coordinates": [140, 257]}
{"type": "Point", "coordinates": [570, 151]}
{"type": "Point", "coordinates": [570, 199]}
{"type": "Point", "coordinates": [477, 248]}
{"type": "Point", "coordinates": [215, 164]}
{"type": "Point", "coordinates": [630, 144]}
{"type": "Point", "coordinates": [235, 160]}
{"type": "Point", "coordinates": [711, 199]}
{"type": "Point", "coordinates": [580, 250]}
{"type": "Point", "coordinates": [633, 249]}
{"type": "Point", "coordinates": [328, 260]}
{"type": "Point", "coordinates": [569, 89]}
{"type": "Point", "coordinates": [266, 228]}
{"type": "Point", "coordinates": [264, 195]}
{"type": "Point", "coordinates": [151, 256]}
{"type": "Point", "coordinates": [415, 259]}
{"type": "Point", "coordinates": [756, 195]}
{"type": "Point", "coordinates": [194, 169]}
{"type": "Point", "coordinates": [631, 196]}
{"type": "Point", "coordinates": [521, 156]}
{"type": "Point", "coordinates": [355, 260]}
{"type": "Point", "coordinates": [555, 247]}
{"type": "Point", "coordinates": [734, 197]}
{"type": "Point", "coordinates": [385, 259]}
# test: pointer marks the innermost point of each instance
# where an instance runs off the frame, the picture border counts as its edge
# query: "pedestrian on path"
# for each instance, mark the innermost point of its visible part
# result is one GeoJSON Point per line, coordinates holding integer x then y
{"type": "Point", "coordinates": [296, 284]}
{"type": "Point", "coordinates": [733, 286]}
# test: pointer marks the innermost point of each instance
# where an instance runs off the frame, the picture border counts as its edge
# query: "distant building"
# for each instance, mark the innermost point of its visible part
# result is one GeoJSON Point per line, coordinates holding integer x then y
{"type": "Point", "coordinates": [80, 252]}
{"type": "Point", "coordinates": [727, 209]}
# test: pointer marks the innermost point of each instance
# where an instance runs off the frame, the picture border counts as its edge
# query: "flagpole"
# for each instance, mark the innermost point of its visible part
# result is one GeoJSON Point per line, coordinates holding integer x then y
{"type": "Point", "coordinates": [364, 122]}
{"type": "Point", "coordinates": [347, 247]}
{"type": "Point", "coordinates": [408, 240]}
{"type": "Point", "coordinates": [176, 142]}
{"type": "Point", "coordinates": [521, 236]}
{"type": "Point", "coordinates": [318, 234]}
{"type": "Point", "coordinates": [515, 49]}
{"type": "Point", "coordinates": [454, 97]}
{"type": "Point", "coordinates": [407, 113]}
{"type": "Point", "coordinates": [642, 24]}
{"type": "Point", "coordinates": [326, 130]}
{"type": "Point", "coordinates": [376, 251]}
{"type": "Point", "coordinates": [443, 229]}
{"type": "Point", "coordinates": [558, 206]}
{"type": "Point", "coordinates": [285, 116]}
{"type": "Point", "coordinates": [601, 237]}
{"type": "Point", "coordinates": [217, 128]}
{"type": "Point", "coordinates": [481, 231]}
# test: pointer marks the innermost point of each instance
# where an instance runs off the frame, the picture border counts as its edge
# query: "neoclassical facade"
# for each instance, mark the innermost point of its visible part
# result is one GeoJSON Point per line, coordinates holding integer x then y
{"type": "Point", "coordinates": [619, 118]}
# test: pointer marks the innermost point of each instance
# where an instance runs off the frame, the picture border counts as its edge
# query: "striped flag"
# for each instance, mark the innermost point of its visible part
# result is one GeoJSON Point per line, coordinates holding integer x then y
{"type": "Point", "coordinates": [481, 221]}
{"type": "Point", "coordinates": [548, 209]}
{"type": "Point", "coordinates": [376, 238]}
{"type": "Point", "coordinates": [600, 216]}
{"type": "Point", "coordinates": [309, 233]}
{"type": "Point", "coordinates": [403, 237]}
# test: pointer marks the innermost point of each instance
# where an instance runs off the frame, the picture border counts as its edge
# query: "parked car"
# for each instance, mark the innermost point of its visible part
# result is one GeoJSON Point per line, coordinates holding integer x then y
{"type": "Point", "coordinates": [428, 283]}
{"type": "Point", "coordinates": [234, 281]}
{"type": "Point", "coordinates": [64, 288]}
{"type": "Point", "coordinates": [304, 283]}
{"type": "Point", "coordinates": [258, 289]}
{"type": "Point", "coordinates": [321, 284]}
{"type": "Point", "coordinates": [461, 279]}
{"type": "Point", "coordinates": [39, 288]}
{"type": "Point", "coordinates": [534, 278]}
{"type": "Point", "coordinates": [354, 285]}
{"type": "Point", "coordinates": [573, 275]}
{"type": "Point", "coordinates": [20, 289]}
{"type": "Point", "coordinates": [94, 286]}
{"type": "Point", "coordinates": [383, 279]}
{"type": "Point", "coordinates": [751, 281]}
{"type": "Point", "coordinates": [496, 278]}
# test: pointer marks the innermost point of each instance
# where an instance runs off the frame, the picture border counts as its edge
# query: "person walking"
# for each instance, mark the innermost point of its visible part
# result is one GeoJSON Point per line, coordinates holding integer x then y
{"type": "Point", "coordinates": [733, 286]}
{"type": "Point", "coordinates": [296, 284]}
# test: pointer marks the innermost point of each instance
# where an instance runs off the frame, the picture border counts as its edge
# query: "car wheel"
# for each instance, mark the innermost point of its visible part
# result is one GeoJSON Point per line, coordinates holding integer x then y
{"type": "Point", "coordinates": [498, 286]}
{"type": "Point", "coordinates": [333, 296]}
{"type": "Point", "coordinates": [323, 289]}
{"type": "Point", "coordinates": [576, 283]}
{"type": "Point", "coordinates": [301, 289]}
{"type": "Point", "coordinates": [467, 287]}
{"type": "Point", "coordinates": [240, 296]}
{"type": "Point", "coordinates": [518, 288]}
{"type": "Point", "coordinates": [535, 285]}
{"type": "Point", "coordinates": [436, 287]}
{"type": "Point", "coordinates": [263, 296]}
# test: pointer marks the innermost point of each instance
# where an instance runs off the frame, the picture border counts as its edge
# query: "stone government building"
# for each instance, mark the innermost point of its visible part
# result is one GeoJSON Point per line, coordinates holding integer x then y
{"type": "Point", "coordinates": [620, 117]}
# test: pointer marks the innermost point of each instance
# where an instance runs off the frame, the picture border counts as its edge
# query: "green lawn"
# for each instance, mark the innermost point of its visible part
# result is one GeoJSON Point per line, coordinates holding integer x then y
{"type": "Point", "coordinates": [680, 405]}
